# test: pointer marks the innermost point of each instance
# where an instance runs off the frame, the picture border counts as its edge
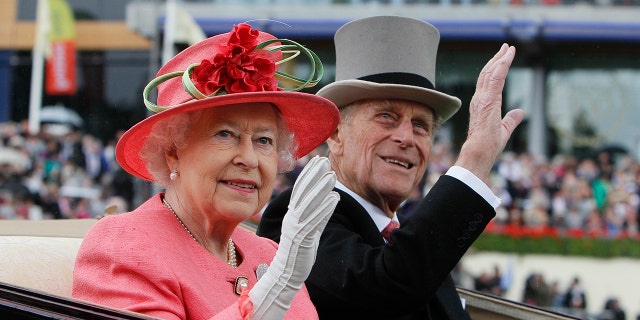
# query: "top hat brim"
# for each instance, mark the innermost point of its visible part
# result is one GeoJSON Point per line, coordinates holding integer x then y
{"type": "Point", "coordinates": [311, 119]}
{"type": "Point", "coordinates": [344, 92]}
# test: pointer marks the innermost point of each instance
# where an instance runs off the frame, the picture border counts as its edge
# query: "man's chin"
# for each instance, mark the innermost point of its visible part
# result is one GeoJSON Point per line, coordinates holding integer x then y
{"type": "Point", "coordinates": [401, 187]}
{"type": "Point", "coordinates": [396, 194]}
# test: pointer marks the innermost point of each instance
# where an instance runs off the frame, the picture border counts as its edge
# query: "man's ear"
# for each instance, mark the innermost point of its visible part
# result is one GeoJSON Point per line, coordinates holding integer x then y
{"type": "Point", "coordinates": [335, 142]}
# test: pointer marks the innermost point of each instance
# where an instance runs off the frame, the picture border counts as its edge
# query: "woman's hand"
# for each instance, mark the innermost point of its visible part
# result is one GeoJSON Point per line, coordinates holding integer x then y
{"type": "Point", "coordinates": [311, 205]}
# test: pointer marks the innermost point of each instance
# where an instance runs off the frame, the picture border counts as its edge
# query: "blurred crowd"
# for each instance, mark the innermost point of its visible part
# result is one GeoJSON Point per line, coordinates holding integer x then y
{"type": "Point", "coordinates": [69, 174]}
{"type": "Point", "coordinates": [598, 196]}
{"type": "Point", "coordinates": [569, 298]}
{"type": "Point", "coordinates": [60, 173]}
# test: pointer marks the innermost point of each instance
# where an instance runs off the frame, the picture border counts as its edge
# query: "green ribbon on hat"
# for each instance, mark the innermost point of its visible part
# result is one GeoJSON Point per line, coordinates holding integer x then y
{"type": "Point", "coordinates": [316, 65]}
{"type": "Point", "coordinates": [288, 47]}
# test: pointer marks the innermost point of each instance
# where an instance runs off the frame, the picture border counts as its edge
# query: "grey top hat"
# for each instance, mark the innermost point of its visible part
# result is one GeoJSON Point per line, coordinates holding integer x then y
{"type": "Point", "coordinates": [388, 57]}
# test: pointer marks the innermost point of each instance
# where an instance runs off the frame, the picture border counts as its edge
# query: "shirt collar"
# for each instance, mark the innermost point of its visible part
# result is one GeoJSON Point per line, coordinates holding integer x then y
{"type": "Point", "coordinates": [377, 215]}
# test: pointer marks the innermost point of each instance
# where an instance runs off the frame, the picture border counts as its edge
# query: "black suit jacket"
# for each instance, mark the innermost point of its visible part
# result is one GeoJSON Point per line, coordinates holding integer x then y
{"type": "Point", "coordinates": [357, 276]}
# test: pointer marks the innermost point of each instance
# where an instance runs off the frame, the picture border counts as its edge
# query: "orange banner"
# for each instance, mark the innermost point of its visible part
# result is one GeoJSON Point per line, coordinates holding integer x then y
{"type": "Point", "coordinates": [60, 70]}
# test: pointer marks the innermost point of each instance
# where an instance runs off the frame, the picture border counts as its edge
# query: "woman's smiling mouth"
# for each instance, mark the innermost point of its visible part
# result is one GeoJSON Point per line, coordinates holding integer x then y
{"type": "Point", "coordinates": [242, 185]}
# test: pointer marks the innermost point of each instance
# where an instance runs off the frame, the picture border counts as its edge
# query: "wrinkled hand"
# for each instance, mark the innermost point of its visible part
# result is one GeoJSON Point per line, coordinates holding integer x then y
{"type": "Point", "coordinates": [488, 131]}
{"type": "Point", "coordinates": [311, 205]}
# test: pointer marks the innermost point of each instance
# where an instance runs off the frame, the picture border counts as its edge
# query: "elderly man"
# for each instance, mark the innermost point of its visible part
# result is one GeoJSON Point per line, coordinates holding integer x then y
{"type": "Point", "coordinates": [390, 112]}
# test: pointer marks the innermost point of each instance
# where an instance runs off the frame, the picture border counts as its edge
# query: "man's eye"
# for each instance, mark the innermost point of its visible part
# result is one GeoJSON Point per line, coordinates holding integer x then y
{"type": "Point", "coordinates": [224, 133]}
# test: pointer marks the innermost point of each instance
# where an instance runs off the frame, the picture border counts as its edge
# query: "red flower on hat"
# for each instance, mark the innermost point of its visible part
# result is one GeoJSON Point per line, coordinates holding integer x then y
{"type": "Point", "coordinates": [239, 68]}
{"type": "Point", "coordinates": [238, 63]}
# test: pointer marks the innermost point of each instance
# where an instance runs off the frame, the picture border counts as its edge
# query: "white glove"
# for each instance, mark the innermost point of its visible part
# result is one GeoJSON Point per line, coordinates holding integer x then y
{"type": "Point", "coordinates": [311, 205]}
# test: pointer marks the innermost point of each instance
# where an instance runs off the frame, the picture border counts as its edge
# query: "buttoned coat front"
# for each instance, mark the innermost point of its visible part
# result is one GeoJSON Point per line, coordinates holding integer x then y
{"type": "Point", "coordinates": [145, 261]}
{"type": "Point", "coordinates": [357, 276]}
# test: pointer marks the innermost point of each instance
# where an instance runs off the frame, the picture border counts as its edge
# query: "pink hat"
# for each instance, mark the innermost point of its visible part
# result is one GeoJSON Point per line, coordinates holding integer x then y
{"type": "Point", "coordinates": [233, 68]}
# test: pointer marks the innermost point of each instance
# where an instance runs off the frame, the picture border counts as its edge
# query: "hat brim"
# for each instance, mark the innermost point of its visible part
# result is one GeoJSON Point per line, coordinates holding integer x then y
{"type": "Point", "coordinates": [344, 92]}
{"type": "Point", "coordinates": [311, 119]}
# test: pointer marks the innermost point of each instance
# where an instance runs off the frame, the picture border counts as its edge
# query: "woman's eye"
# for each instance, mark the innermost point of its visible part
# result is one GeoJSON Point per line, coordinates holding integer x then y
{"type": "Point", "coordinates": [265, 140]}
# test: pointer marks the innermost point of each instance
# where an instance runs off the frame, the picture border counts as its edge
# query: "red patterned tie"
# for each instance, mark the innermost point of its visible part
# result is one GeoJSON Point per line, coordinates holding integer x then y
{"type": "Point", "coordinates": [386, 232]}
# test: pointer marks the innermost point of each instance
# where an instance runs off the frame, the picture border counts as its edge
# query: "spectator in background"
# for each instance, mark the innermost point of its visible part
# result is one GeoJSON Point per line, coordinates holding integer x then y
{"type": "Point", "coordinates": [601, 189]}
{"type": "Point", "coordinates": [483, 282]}
{"type": "Point", "coordinates": [51, 158]}
{"type": "Point", "coordinates": [497, 282]}
{"type": "Point", "coordinates": [537, 292]}
{"type": "Point", "coordinates": [557, 295]}
{"type": "Point", "coordinates": [528, 294]}
{"type": "Point", "coordinates": [96, 163]}
{"type": "Point", "coordinates": [612, 310]}
{"type": "Point", "coordinates": [575, 298]}
{"type": "Point", "coordinates": [490, 282]}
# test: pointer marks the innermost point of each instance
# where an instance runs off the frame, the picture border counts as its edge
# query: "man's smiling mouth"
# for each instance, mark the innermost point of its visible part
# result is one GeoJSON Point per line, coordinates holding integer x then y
{"type": "Point", "coordinates": [400, 163]}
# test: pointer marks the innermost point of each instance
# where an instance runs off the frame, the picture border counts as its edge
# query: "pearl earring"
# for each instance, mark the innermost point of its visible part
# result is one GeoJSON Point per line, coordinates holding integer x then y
{"type": "Point", "coordinates": [173, 175]}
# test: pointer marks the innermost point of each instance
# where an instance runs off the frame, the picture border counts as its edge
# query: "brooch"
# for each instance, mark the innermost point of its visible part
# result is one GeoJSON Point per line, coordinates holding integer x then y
{"type": "Point", "coordinates": [241, 283]}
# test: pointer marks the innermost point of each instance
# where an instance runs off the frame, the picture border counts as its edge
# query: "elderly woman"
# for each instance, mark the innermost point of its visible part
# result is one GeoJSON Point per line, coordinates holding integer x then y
{"type": "Point", "coordinates": [222, 131]}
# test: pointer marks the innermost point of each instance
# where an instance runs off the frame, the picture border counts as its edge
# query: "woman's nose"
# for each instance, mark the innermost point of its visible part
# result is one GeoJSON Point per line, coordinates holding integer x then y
{"type": "Point", "coordinates": [246, 155]}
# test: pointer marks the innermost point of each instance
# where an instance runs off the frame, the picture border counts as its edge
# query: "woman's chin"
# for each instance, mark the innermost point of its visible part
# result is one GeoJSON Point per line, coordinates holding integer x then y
{"type": "Point", "coordinates": [239, 211]}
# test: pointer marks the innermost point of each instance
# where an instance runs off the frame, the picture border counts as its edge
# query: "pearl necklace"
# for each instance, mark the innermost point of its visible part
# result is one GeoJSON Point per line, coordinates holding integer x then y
{"type": "Point", "coordinates": [231, 248]}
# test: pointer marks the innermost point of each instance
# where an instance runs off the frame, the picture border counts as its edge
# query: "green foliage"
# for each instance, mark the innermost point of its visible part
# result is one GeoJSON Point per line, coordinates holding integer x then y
{"type": "Point", "coordinates": [587, 247]}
